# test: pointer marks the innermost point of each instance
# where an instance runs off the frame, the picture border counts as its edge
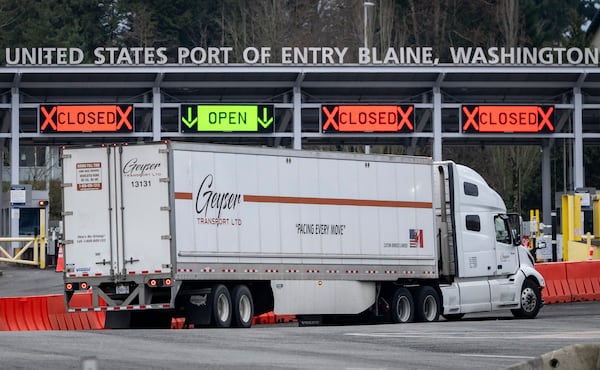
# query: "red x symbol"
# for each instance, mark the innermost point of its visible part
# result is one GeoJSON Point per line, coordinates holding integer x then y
{"type": "Point", "coordinates": [470, 118]}
{"type": "Point", "coordinates": [405, 118]}
{"type": "Point", "coordinates": [124, 116]}
{"type": "Point", "coordinates": [545, 118]}
{"type": "Point", "coordinates": [330, 118]}
{"type": "Point", "coordinates": [48, 120]}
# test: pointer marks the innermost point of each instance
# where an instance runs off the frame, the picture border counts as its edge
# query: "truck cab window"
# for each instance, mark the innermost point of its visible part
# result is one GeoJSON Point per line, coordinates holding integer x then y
{"type": "Point", "coordinates": [470, 189]}
{"type": "Point", "coordinates": [502, 231]}
{"type": "Point", "coordinates": [473, 223]}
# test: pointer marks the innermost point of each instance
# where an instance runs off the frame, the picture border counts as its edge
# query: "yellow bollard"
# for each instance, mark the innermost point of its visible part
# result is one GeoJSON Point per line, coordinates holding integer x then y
{"type": "Point", "coordinates": [42, 238]}
{"type": "Point", "coordinates": [589, 245]}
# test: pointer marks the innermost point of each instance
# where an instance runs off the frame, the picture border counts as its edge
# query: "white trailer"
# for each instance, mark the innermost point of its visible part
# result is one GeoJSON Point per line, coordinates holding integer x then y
{"type": "Point", "coordinates": [218, 234]}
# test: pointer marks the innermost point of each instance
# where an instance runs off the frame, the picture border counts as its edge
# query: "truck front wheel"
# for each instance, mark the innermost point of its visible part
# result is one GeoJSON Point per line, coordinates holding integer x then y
{"type": "Point", "coordinates": [530, 301]}
{"type": "Point", "coordinates": [243, 307]}
{"type": "Point", "coordinates": [403, 307]}
{"type": "Point", "coordinates": [221, 306]}
{"type": "Point", "coordinates": [427, 304]}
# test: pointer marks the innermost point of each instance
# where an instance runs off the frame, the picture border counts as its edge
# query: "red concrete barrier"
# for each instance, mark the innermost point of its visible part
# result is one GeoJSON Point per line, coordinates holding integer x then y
{"type": "Point", "coordinates": [557, 288]}
{"type": "Point", "coordinates": [583, 277]}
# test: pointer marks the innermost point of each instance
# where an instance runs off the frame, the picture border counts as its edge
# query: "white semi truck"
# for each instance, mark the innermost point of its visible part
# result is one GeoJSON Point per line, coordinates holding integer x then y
{"type": "Point", "coordinates": [218, 234]}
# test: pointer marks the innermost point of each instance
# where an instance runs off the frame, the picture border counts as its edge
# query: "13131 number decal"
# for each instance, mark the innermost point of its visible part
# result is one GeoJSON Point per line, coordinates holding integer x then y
{"type": "Point", "coordinates": [141, 184]}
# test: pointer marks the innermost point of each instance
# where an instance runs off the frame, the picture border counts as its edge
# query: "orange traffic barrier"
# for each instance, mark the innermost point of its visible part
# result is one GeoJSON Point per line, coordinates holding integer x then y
{"type": "Point", "coordinates": [557, 288]}
{"type": "Point", "coordinates": [91, 319]}
{"type": "Point", "coordinates": [265, 318]}
{"type": "Point", "coordinates": [177, 323]}
{"type": "Point", "coordinates": [36, 311]}
{"type": "Point", "coordinates": [24, 313]}
{"type": "Point", "coordinates": [583, 277]}
{"type": "Point", "coordinates": [57, 312]}
{"type": "Point", "coordinates": [596, 279]}
{"type": "Point", "coordinates": [62, 320]}
{"type": "Point", "coordinates": [60, 261]}
{"type": "Point", "coordinates": [3, 321]}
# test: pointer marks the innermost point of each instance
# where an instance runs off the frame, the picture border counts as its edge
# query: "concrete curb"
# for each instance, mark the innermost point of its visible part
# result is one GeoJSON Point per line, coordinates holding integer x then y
{"type": "Point", "coordinates": [573, 357]}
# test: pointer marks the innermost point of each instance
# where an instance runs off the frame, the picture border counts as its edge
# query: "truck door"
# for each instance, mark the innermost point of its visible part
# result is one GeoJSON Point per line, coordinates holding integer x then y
{"type": "Point", "coordinates": [144, 209]}
{"type": "Point", "coordinates": [507, 260]}
{"type": "Point", "coordinates": [88, 212]}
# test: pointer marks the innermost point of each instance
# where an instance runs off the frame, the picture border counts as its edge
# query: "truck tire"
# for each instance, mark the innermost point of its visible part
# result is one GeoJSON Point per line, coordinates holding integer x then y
{"type": "Point", "coordinates": [221, 306]}
{"type": "Point", "coordinates": [243, 306]}
{"type": "Point", "coordinates": [427, 304]}
{"type": "Point", "coordinates": [530, 301]}
{"type": "Point", "coordinates": [403, 306]}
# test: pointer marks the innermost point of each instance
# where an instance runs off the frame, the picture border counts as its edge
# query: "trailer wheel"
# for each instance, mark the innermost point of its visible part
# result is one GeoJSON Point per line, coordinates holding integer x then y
{"type": "Point", "coordinates": [530, 299]}
{"type": "Point", "coordinates": [427, 304]}
{"type": "Point", "coordinates": [403, 307]}
{"type": "Point", "coordinates": [243, 306]}
{"type": "Point", "coordinates": [221, 305]}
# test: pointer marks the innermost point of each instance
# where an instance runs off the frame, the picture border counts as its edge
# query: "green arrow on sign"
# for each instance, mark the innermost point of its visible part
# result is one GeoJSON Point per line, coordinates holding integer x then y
{"type": "Point", "coordinates": [265, 121]}
{"type": "Point", "coordinates": [189, 122]}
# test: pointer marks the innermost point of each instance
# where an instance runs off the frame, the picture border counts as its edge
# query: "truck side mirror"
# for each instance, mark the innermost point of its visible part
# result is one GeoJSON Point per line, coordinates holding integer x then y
{"type": "Point", "coordinates": [516, 237]}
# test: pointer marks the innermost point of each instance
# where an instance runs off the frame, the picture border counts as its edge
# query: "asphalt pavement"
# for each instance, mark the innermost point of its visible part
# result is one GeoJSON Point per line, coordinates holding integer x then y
{"type": "Point", "coordinates": [23, 280]}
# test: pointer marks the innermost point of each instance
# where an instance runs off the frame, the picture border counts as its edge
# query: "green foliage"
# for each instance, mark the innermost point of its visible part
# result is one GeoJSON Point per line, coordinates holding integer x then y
{"type": "Point", "coordinates": [51, 23]}
{"type": "Point", "coordinates": [545, 21]}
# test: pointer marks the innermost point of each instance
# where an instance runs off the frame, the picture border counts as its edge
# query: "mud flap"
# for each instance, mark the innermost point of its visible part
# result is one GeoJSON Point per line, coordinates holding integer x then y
{"type": "Point", "coordinates": [117, 320]}
{"type": "Point", "coordinates": [198, 307]}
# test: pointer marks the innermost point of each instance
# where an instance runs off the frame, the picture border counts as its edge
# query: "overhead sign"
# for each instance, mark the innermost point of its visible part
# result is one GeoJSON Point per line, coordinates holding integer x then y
{"type": "Point", "coordinates": [86, 118]}
{"type": "Point", "coordinates": [367, 118]}
{"type": "Point", "coordinates": [301, 55]}
{"type": "Point", "coordinates": [507, 118]}
{"type": "Point", "coordinates": [227, 118]}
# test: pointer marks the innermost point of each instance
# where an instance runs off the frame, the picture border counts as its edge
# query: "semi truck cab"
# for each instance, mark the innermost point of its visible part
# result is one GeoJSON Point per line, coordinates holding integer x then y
{"type": "Point", "coordinates": [492, 270]}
